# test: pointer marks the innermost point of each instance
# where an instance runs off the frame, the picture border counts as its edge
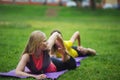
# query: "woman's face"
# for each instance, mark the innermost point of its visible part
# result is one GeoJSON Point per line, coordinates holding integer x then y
{"type": "Point", "coordinates": [57, 43]}
{"type": "Point", "coordinates": [43, 45]}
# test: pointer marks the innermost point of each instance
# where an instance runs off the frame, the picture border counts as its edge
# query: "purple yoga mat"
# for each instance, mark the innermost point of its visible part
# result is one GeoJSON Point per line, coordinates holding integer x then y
{"type": "Point", "coordinates": [52, 75]}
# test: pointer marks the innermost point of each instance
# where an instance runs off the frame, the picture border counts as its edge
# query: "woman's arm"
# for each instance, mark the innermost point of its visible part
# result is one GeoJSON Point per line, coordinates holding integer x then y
{"type": "Point", "coordinates": [76, 36]}
{"type": "Point", "coordinates": [21, 66]}
{"type": "Point", "coordinates": [52, 39]}
{"type": "Point", "coordinates": [61, 48]}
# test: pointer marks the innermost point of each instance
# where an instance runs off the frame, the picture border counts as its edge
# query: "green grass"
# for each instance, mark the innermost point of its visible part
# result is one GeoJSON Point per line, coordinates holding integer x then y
{"type": "Point", "coordinates": [99, 29]}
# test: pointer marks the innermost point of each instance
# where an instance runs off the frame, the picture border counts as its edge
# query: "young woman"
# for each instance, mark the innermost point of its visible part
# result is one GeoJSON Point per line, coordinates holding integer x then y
{"type": "Point", "coordinates": [36, 56]}
{"type": "Point", "coordinates": [74, 51]}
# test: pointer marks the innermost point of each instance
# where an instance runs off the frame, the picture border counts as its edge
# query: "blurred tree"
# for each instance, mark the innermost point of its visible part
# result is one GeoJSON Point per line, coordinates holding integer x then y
{"type": "Point", "coordinates": [60, 3]}
{"type": "Point", "coordinates": [99, 3]}
{"type": "Point", "coordinates": [45, 2]}
{"type": "Point", "coordinates": [93, 4]}
{"type": "Point", "coordinates": [118, 4]}
{"type": "Point", "coordinates": [78, 2]}
{"type": "Point", "coordinates": [13, 1]}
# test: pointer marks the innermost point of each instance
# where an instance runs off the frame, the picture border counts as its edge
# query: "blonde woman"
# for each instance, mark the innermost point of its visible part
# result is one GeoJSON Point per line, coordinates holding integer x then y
{"type": "Point", "coordinates": [74, 51]}
{"type": "Point", "coordinates": [36, 56]}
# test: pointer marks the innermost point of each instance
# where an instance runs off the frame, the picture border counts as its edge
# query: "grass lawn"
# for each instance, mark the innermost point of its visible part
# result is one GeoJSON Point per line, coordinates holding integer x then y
{"type": "Point", "coordinates": [99, 29]}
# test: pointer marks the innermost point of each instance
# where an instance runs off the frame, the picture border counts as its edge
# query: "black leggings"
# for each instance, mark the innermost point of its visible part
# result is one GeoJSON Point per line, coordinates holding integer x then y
{"type": "Point", "coordinates": [69, 64]}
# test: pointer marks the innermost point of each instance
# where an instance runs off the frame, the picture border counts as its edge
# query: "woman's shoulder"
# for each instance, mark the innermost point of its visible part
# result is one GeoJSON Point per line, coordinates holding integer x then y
{"type": "Point", "coordinates": [26, 57]}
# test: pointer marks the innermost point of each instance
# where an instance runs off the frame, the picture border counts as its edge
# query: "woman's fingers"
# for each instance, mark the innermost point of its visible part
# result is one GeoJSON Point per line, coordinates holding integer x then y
{"type": "Point", "coordinates": [41, 76]}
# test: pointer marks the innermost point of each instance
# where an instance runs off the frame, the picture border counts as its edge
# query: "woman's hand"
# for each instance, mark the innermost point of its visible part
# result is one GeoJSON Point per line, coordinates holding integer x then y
{"type": "Point", "coordinates": [79, 48]}
{"type": "Point", "coordinates": [41, 76]}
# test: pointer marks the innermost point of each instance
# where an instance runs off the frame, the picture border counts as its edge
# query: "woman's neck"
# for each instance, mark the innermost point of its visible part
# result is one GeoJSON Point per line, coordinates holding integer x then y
{"type": "Point", "coordinates": [38, 53]}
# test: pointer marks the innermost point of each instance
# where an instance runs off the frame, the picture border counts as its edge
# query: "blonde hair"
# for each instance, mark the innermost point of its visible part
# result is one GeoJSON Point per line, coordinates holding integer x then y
{"type": "Point", "coordinates": [34, 41]}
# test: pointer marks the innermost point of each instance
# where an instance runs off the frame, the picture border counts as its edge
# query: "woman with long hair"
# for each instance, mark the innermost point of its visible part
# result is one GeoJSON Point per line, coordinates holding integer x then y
{"type": "Point", "coordinates": [37, 59]}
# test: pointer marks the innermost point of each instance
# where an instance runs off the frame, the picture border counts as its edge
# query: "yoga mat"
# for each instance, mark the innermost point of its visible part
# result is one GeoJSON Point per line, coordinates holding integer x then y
{"type": "Point", "coordinates": [52, 75]}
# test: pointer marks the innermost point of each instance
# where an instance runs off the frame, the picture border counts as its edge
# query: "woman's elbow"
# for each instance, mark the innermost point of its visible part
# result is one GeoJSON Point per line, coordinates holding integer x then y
{"type": "Point", "coordinates": [77, 32]}
{"type": "Point", "coordinates": [17, 72]}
